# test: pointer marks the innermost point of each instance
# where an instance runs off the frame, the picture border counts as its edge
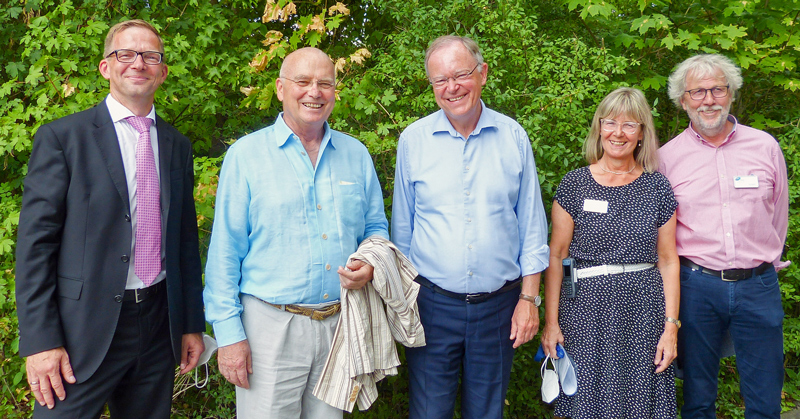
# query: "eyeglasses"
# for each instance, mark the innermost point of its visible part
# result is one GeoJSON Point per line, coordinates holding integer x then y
{"type": "Point", "coordinates": [610, 125]}
{"type": "Point", "coordinates": [716, 91]}
{"type": "Point", "coordinates": [440, 82]}
{"type": "Point", "coordinates": [128, 56]}
{"type": "Point", "coordinates": [321, 84]}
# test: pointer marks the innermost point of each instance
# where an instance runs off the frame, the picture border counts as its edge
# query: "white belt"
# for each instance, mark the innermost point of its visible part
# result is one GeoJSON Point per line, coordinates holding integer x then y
{"type": "Point", "coordinates": [611, 269]}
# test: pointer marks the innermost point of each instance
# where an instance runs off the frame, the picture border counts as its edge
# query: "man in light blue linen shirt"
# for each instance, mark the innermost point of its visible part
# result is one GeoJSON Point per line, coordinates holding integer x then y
{"type": "Point", "coordinates": [468, 211]}
{"type": "Point", "coordinates": [295, 199]}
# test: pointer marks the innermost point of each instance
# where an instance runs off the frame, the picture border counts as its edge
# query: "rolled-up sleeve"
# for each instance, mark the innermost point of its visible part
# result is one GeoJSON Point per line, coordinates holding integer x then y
{"type": "Point", "coordinates": [534, 252]}
{"type": "Point", "coordinates": [229, 246]}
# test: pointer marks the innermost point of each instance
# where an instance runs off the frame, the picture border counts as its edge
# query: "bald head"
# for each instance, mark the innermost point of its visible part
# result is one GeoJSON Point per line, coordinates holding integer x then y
{"type": "Point", "coordinates": [307, 58]}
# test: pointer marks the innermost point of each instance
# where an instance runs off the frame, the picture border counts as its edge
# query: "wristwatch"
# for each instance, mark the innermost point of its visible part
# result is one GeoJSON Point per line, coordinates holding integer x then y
{"type": "Point", "coordinates": [676, 322]}
{"type": "Point", "coordinates": [536, 300]}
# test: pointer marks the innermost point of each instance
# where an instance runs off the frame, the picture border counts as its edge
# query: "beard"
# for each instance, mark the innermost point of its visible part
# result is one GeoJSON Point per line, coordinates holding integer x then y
{"type": "Point", "coordinates": [704, 126]}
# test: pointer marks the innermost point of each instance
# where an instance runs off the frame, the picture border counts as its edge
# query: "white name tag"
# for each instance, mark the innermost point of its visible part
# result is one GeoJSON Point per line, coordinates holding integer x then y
{"type": "Point", "coordinates": [745, 182]}
{"type": "Point", "coordinates": [593, 205]}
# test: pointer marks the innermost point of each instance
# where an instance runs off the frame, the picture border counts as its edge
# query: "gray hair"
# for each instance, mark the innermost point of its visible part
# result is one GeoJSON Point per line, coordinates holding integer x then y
{"type": "Point", "coordinates": [630, 102]}
{"type": "Point", "coordinates": [702, 66]}
{"type": "Point", "coordinates": [446, 40]}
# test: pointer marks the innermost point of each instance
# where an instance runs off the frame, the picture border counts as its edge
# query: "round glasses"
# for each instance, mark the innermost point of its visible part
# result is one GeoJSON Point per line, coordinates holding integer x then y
{"type": "Point", "coordinates": [716, 91]}
{"type": "Point", "coordinates": [610, 125]}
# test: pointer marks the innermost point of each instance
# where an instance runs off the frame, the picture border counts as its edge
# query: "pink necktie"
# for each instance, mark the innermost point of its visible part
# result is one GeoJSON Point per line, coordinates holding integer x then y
{"type": "Point", "coordinates": [147, 249]}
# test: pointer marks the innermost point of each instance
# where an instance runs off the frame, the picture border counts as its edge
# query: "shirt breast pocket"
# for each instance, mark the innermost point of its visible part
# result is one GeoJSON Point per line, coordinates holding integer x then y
{"type": "Point", "coordinates": [351, 204]}
{"type": "Point", "coordinates": [764, 191]}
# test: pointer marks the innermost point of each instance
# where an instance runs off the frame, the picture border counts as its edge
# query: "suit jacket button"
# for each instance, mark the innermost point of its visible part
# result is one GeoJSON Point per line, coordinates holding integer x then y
{"type": "Point", "coordinates": [128, 217]}
{"type": "Point", "coordinates": [124, 258]}
{"type": "Point", "coordinates": [118, 298]}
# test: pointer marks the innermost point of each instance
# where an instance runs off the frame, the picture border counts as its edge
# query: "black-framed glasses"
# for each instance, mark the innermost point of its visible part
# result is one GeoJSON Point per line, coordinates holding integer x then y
{"type": "Point", "coordinates": [610, 125]}
{"type": "Point", "coordinates": [128, 56]}
{"type": "Point", "coordinates": [440, 82]}
{"type": "Point", "coordinates": [716, 91]}
{"type": "Point", "coordinates": [305, 84]}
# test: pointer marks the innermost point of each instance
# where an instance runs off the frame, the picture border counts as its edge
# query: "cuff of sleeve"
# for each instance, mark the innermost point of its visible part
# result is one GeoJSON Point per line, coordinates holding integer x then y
{"type": "Point", "coordinates": [534, 262]}
{"type": "Point", "coordinates": [230, 331]}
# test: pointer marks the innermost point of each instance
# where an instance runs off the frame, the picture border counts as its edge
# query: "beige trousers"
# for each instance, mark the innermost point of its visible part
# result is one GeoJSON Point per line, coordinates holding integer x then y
{"type": "Point", "coordinates": [288, 352]}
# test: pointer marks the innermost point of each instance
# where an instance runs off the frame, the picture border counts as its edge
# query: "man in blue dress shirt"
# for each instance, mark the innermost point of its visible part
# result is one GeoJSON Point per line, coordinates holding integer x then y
{"type": "Point", "coordinates": [295, 199]}
{"type": "Point", "coordinates": [468, 211]}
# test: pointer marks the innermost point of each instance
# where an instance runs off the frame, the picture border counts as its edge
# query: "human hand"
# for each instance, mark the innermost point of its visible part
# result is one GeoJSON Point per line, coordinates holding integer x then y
{"type": "Point", "coordinates": [45, 370]}
{"type": "Point", "coordinates": [667, 349]}
{"type": "Point", "coordinates": [551, 335]}
{"type": "Point", "coordinates": [357, 276]}
{"type": "Point", "coordinates": [191, 347]}
{"type": "Point", "coordinates": [524, 322]}
{"type": "Point", "coordinates": [235, 363]}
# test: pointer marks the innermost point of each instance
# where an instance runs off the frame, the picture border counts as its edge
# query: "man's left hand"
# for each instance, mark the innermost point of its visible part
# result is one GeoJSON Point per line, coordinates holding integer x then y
{"type": "Point", "coordinates": [524, 323]}
{"type": "Point", "coordinates": [191, 347]}
{"type": "Point", "coordinates": [357, 276]}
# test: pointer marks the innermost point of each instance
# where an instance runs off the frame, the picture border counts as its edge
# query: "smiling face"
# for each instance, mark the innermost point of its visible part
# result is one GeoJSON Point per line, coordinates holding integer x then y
{"type": "Point", "coordinates": [460, 100]}
{"type": "Point", "coordinates": [305, 109]}
{"type": "Point", "coordinates": [134, 84]}
{"type": "Point", "coordinates": [710, 114]}
{"type": "Point", "coordinates": [617, 144]}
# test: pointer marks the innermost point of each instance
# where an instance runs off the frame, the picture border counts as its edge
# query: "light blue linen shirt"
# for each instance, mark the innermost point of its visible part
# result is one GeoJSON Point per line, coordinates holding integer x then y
{"type": "Point", "coordinates": [468, 212]}
{"type": "Point", "coordinates": [281, 227]}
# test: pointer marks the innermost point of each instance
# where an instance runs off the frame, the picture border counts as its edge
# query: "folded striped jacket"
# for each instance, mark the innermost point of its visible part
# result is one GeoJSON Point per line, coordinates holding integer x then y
{"type": "Point", "coordinates": [363, 351]}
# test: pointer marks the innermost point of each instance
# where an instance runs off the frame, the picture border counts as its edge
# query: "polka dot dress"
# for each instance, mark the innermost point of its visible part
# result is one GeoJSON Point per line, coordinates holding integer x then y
{"type": "Point", "coordinates": [611, 329]}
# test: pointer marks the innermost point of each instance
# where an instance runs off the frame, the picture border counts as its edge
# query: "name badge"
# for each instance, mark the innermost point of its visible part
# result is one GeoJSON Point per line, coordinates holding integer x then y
{"type": "Point", "coordinates": [593, 205]}
{"type": "Point", "coordinates": [745, 182]}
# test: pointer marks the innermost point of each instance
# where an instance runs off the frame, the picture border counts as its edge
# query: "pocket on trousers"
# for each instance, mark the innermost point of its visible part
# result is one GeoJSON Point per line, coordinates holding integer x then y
{"type": "Point", "coordinates": [69, 287]}
{"type": "Point", "coordinates": [769, 278]}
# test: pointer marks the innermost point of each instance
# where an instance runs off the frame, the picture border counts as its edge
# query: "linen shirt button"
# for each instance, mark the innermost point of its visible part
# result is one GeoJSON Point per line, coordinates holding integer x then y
{"type": "Point", "coordinates": [470, 273]}
{"type": "Point", "coordinates": [325, 296]}
{"type": "Point", "coordinates": [467, 193]}
{"type": "Point", "coordinates": [470, 246]}
{"type": "Point", "coordinates": [319, 207]}
{"type": "Point", "coordinates": [328, 267]}
{"type": "Point", "coordinates": [302, 153]}
{"type": "Point", "coordinates": [324, 236]}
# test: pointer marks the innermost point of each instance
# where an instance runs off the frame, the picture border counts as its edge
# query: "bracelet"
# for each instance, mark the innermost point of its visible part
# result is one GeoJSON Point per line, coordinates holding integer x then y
{"type": "Point", "coordinates": [674, 321]}
{"type": "Point", "coordinates": [536, 300]}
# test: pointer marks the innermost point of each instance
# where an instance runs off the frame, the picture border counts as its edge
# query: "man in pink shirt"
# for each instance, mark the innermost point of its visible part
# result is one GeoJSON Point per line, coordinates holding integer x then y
{"type": "Point", "coordinates": [730, 183]}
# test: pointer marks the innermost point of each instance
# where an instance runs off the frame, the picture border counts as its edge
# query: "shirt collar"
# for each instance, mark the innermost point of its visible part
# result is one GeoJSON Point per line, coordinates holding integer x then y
{"type": "Point", "coordinates": [284, 133]}
{"type": "Point", "coordinates": [442, 124]}
{"type": "Point", "coordinates": [119, 112]}
{"type": "Point", "coordinates": [700, 138]}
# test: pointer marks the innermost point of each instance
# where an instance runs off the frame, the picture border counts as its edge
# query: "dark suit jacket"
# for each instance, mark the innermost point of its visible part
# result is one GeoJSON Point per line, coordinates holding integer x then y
{"type": "Point", "coordinates": [74, 239]}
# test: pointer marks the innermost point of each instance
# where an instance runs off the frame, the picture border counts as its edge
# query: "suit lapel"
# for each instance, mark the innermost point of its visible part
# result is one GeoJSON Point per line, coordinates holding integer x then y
{"type": "Point", "coordinates": [106, 138]}
{"type": "Point", "coordinates": [165, 146]}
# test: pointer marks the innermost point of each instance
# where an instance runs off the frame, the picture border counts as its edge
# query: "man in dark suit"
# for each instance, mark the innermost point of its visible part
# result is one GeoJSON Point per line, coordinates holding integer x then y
{"type": "Point", "coordinates": [109, 291]}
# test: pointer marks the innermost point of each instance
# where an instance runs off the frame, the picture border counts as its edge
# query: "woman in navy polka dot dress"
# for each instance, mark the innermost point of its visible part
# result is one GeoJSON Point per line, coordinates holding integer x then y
{"type": "Point", "coordinates": [616, 219]}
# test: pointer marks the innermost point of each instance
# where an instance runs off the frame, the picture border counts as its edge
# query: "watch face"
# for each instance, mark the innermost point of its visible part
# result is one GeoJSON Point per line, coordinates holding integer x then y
{"type": "Point", "coordinates": [537, 301]}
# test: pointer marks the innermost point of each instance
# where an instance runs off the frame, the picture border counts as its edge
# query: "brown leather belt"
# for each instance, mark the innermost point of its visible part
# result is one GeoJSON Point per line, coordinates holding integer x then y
{"type": "Point", "coordinates": [305, 311]}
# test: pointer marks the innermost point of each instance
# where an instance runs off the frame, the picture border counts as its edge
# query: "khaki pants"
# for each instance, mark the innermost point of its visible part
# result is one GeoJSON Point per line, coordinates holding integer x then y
{"type": "Point", "coordinates": [289, 353]}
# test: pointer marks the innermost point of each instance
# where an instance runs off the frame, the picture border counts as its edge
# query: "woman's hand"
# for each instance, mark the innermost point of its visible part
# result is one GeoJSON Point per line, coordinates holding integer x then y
{"type": "Point", "coordinates": [667, 348]}
{"type": "Point", "coordinates": [551, 335]}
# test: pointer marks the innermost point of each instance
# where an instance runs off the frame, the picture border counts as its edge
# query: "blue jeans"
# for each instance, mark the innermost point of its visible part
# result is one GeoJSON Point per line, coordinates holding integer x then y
{"type": "Point", "coordinates": [751, 309]}
{"type": "Point", "coordinates": [471, 340]}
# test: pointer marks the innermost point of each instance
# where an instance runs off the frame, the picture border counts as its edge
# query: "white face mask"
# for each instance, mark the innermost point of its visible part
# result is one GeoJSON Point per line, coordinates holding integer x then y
{"type": "Point", "coordinates": [550, 387]}
{"type": "Point", "coordinates": [211, 347]}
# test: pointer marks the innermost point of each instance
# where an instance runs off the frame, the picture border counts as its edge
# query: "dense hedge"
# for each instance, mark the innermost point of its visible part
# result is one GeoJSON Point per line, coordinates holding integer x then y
{"type": "Point", "coordinates": [550, 63]}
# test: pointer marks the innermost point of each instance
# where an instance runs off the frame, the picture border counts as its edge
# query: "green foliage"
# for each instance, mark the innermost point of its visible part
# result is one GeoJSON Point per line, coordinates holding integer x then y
{"type": "Point", "coordinates": [550, 63]}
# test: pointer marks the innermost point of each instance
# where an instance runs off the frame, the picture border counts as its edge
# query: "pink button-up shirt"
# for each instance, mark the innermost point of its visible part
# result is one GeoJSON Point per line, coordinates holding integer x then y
{"type": "Point", "coordinates": [722, 225]}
